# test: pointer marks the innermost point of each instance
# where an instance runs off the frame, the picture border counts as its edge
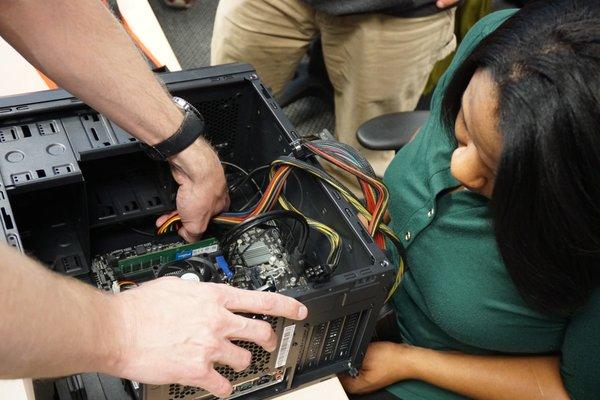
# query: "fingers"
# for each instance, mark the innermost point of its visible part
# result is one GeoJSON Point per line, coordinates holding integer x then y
{"type": "Point", "coordinates": [187, 236]}
{"type": "Point", "coordinates": [163, 218]}
{"type": "Point", "coordinates": [224, 202]}
{"type": "Point", "coordinates": [346, 381]}
{"type": "Point", "coordinates": [213, 382]}
{"type": "Point", "coordinates": [446, 3]}
{"type": "Point", "coordinates": [234, 356]}
{"type": "Point", "coordinates": [253, 330]}
{"type": "Point", "coordinates": [353, 385]}
{"type": "Point", "coordinates": [238, 300]}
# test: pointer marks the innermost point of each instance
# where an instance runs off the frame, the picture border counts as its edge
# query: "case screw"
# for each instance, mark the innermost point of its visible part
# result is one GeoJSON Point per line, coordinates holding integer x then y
{"type": "Point", "coordinates": [353, 372]}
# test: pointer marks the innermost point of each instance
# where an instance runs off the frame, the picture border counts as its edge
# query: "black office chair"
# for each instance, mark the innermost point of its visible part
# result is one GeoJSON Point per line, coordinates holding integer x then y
{"type": "Point", "coordinates": [390, 131]}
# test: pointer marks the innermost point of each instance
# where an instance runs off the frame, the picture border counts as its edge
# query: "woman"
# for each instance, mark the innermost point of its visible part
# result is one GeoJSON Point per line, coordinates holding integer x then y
{"type": "Point", "coordinates": [497, 200]}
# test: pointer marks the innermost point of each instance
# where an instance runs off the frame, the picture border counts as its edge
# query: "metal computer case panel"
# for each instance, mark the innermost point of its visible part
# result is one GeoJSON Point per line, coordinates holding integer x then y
{"type": "Point", "coordinates": [246, 125]}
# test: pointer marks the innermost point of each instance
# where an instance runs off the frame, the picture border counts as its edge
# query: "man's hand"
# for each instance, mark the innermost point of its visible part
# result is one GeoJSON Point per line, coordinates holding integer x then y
{"type": "Point", "coordinates": [384, 364]}
{"type": "Point", "coordinates": [202, 189]}
{"type": "Point", "coordinates": [174, 331]}
{"type": "Point", "coordinates": [446, 3]}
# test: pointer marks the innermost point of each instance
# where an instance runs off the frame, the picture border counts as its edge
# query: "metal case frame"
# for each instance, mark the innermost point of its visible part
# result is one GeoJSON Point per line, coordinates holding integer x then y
{"type": "Point", "coordinates": [67, 165]}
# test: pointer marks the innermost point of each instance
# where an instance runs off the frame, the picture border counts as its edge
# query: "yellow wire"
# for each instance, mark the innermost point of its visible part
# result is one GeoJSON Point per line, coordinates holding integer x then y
{"type": "Point", "coordinates": [332, 236]}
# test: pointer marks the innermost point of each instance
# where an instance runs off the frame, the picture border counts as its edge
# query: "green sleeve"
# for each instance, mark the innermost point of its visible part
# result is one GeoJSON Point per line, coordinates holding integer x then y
{"type": "Point", "coordinates": [580, 364]}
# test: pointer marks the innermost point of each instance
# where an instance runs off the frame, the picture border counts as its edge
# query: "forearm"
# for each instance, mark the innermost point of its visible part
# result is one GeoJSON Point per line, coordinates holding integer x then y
{"type": "Point", "coordinates": [60, 37]}
{"type": "Point", "coordinates": [490, 377]}
{"type": "Point", "coordinates": [51, 325]}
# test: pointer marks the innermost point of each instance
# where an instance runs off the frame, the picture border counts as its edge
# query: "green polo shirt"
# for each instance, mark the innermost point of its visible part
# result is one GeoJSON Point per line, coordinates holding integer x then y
{"type": "Point", "coordinates": [456, 294]}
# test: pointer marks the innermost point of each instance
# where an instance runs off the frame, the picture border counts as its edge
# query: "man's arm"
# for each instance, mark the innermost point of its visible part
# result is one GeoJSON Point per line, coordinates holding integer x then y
{"type": "Point", "coordinates": [80, 46]}
{"type": "Point", "coordinates": [83, 48]}
{"type": "Point", "coordinates": [52, 325]}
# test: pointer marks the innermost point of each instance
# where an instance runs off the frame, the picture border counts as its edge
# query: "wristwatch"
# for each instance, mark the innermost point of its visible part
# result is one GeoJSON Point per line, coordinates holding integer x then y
{"type": "Point", "coordinates": [191, 129]}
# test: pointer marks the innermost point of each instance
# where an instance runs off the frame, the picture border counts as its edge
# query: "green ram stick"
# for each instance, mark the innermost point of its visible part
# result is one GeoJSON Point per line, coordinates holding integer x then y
{"type": "Point", "coordinates": [142, 263]}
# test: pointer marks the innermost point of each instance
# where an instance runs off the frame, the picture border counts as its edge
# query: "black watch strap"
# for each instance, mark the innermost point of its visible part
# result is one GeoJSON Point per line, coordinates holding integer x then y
{"type": "Point", "coordinates": [191, 129]}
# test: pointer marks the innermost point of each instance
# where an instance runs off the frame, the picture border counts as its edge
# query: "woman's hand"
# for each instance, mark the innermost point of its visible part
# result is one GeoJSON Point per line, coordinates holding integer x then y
{"type": "Point", "coordinates": [446, 3]}
{"type": "Point", "coordinates": [384, 364]}
{"type": "Point", "coordinates": [492, 377]}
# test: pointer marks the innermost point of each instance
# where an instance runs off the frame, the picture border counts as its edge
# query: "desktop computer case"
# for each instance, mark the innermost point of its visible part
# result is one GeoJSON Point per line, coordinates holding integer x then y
{"type": "Point", "coordinates": [70, 179]}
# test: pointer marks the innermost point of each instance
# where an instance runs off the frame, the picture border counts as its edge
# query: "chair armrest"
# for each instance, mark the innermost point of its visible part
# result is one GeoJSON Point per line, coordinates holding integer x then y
{"type": "Point", "coordinates": [390, 131]}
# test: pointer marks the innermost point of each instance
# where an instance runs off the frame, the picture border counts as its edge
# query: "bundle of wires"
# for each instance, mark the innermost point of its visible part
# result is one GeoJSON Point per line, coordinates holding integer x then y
{"type": "Point", "coordinates": [343, 157]}
{"type": "Point", "coordinates": [261, 221]}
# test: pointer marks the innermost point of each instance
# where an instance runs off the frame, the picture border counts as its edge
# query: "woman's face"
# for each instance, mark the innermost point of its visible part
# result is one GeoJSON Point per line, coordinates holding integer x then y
{"type": "Point", "coordinates": [475, 161]}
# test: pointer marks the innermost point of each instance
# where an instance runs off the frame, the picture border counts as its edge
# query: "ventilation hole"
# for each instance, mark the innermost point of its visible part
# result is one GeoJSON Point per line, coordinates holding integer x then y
{"type": "Point", "coordinates": [265, 92]}
{"type": "Point", "coordinates": [95, 134]}
{"type": "Point", "coordinates": [154, 201]}
{"type": "Point", "coordinates": [95, 117]}
{"type": "Point", "coordinates": [8, 222]}
{"type": "Point", "coordinates": [26, 131]}
{"type": "Point", "coordinates": [52, 127]}
{"type": "Point", "coordinates": [222, 121]}
{"type": "Point", "coordinates": [106, 143]}
{"type": "Point", "coordinates": [40, 173]}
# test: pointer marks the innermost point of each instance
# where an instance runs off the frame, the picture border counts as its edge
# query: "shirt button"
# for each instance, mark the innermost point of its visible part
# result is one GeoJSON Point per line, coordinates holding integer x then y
{"type": "Point", "coordinates": [430, 213]}
{"type": "Point", "coordinates": [407, 236]}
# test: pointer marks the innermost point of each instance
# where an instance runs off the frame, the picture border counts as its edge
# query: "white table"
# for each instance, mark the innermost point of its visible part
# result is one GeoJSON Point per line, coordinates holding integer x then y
{"type": "Point", "coordinates": [329, 389]}
{"type": "Point", "coordinates": [18, 76]}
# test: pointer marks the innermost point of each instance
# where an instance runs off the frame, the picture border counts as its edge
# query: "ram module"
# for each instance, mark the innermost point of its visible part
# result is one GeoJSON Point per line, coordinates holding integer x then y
{"type": "Point", "coordinates": [142, 259]}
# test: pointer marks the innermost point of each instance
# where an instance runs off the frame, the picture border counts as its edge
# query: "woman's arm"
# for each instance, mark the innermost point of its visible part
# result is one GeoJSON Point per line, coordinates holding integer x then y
{"type": "Point", "coordinates": [479, 377]}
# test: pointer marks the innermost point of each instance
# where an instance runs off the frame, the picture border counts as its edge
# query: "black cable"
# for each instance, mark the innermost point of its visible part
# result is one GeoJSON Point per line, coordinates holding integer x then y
{"type": "Point", "coordinates": [234, 186]}
{"type": "Point", "coordinates": [319, 173]}
{"type": "Point", "coordinates": [243, 171]}
{"type": "Point", "coordinates": [300, 188]}
{"type": "Point", "coordinates": [232, 235]}
{"type": "Point", "coordinates": [249, 202]}
{"type": "Point", "coordinates": [138, 231]}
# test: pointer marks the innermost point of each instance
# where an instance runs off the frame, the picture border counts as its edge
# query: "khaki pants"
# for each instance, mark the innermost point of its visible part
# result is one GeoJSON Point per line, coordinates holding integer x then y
{"type": "Point", "coordinates": [377, 64]}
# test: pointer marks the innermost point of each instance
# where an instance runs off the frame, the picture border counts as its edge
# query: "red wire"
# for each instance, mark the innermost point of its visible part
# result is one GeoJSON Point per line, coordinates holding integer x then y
{"type": "Point", "coordinates": [357, 173]}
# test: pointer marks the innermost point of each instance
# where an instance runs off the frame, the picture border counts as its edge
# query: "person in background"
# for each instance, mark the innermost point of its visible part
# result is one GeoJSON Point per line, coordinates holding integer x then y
{"type": "Point", "coordinates": [378, 53]}
{"type": "Point", "coordinates": [497, 202]}
{"type": "Point", "coordinates": [52, 325]}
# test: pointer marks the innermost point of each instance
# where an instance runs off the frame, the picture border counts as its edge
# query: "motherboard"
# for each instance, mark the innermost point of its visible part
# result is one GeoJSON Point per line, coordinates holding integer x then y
{"type": "Point", "coordinates": [258, 260]}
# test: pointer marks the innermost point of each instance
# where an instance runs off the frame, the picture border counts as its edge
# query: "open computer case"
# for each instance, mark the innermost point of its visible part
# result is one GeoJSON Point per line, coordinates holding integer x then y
{"type": "Point", "coordinates": [73, 183]}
